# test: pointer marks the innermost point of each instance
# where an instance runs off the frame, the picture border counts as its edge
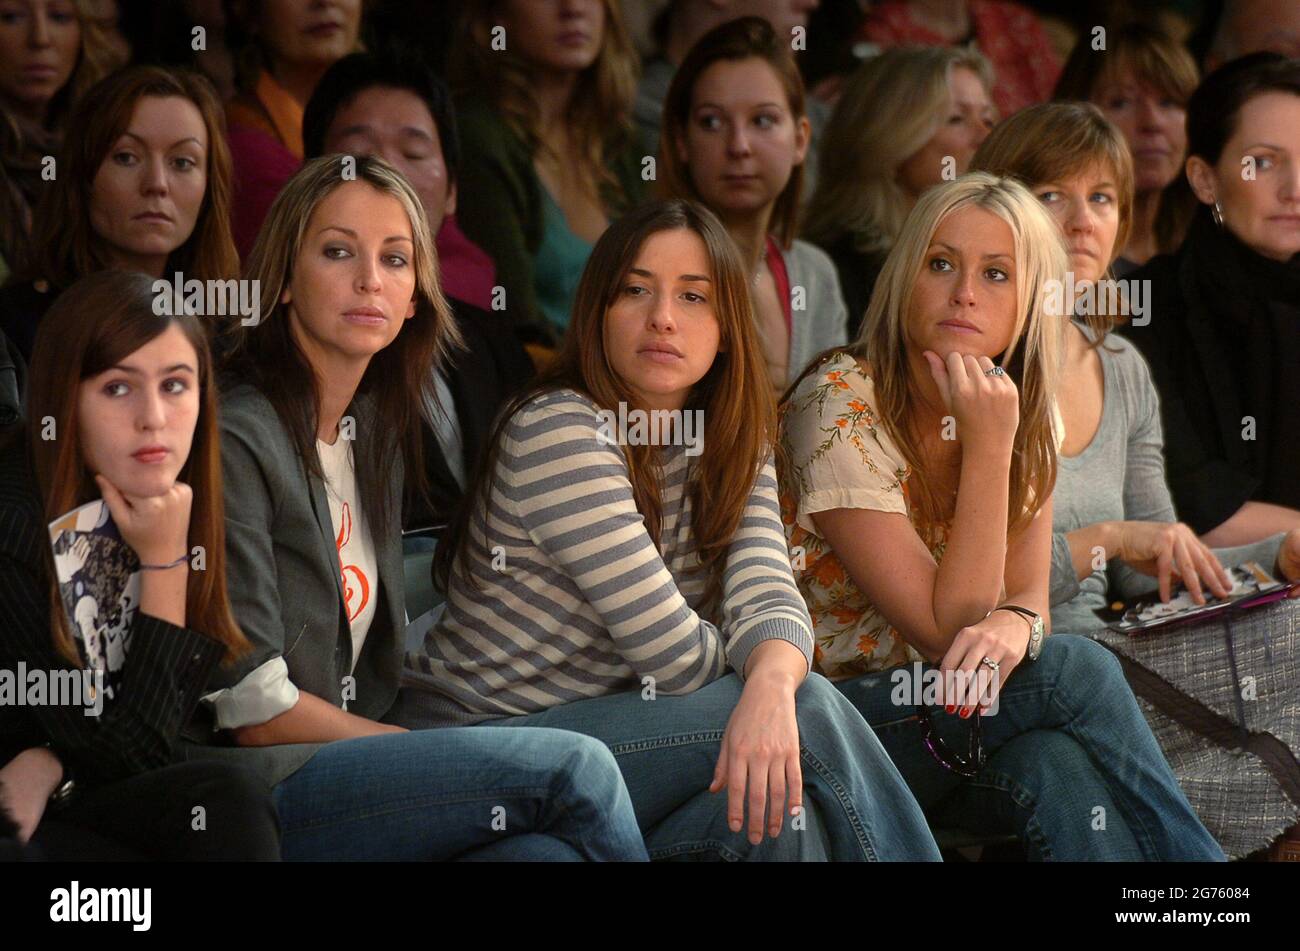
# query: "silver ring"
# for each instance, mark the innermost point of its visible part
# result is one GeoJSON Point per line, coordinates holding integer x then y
{"type": "Point", "coordinates": [995, 371]}
{"type": "Point", "coordinates": [991, 664]}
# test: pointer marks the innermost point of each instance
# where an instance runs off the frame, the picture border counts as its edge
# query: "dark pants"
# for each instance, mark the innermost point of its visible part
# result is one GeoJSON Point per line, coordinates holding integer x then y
{"type": "Point", "coordinates": [195, 811]}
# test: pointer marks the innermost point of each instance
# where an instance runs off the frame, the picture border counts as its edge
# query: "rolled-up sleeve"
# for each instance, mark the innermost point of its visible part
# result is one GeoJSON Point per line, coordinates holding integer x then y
{"type": "Point", "coordinates": [265, 693]}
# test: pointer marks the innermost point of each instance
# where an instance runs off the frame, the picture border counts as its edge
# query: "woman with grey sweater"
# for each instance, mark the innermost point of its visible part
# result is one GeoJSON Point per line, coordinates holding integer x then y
{"type": "Point", "coordinates": [1116, 534]}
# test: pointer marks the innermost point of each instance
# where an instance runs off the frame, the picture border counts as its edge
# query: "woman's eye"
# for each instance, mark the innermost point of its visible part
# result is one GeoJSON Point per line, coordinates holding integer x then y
{"type": "Point", "coordinates": [115, 388]}
{"type": "Point", "coordinates": [175, 386]}
{"type": "Point", "coordinates": [635, 290]}
{"type": "Point", "coordinates": [710, 123]}
{"type": "Point", "coordinates": [956, 119]}
{"type": "Point", "coordinates": [995, 274]}
{"type": "Point", "coordinates": [124, 158]}
{"type": "Point", "coordinates": [693, 297]}
{"type": "Point", "coordinates": [1048, 197]}
{"type": "Point", "coordinates": [765, 121]}
{"type": "Point", "coordinates": [940, 264]}
{"type": "Point", "coordinates": [1263, 161]}
{"type": "Point", "coordinates": [1102, 198]}
{"type": "Point", "coordinates": [1119, 102]}
{"type": "Point", "coordinates": [184, 163]}
{"type": "Point", "coordinates": [334, 252]}
{"type": "Point", "coordinates": [395, 260]}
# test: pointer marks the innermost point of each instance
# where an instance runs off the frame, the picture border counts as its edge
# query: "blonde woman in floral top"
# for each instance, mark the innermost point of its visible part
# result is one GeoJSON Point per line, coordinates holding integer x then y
{"type": "Point", "coordinates": [916, 486]}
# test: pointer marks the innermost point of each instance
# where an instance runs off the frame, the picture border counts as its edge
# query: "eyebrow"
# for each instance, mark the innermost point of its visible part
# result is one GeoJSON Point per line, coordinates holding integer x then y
{"type": "Point", "coordinates": [642, 272]}
{"type": "Point", "coordinates": [988, 257]}
{"type": "Point", "coordinates": [352, 234]}
{"type": "Point", "coordinates": [136, 371]}
{"type": "Point", "coordinates": [132, 135]}
{"type": "Point", "coordinates": [760, 105]}
{"type": "Point", "coordinates": [1265, 145]}
{"type": "Point", "coordinates": [363, 129]}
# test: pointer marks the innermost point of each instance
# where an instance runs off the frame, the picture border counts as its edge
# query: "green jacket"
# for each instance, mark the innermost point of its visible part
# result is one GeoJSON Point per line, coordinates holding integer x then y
{"type": "Point", "coordinates": [500, 206]}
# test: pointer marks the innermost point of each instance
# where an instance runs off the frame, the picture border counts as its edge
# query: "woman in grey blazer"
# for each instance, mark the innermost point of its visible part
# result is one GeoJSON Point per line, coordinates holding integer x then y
{"type": "Point", "coordinates": [318, 427]}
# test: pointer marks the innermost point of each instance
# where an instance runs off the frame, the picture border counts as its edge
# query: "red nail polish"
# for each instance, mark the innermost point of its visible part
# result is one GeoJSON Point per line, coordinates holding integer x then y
{"type": "Point", "coordinates": [951, 708]}
{"type": "Point", "coordinates": [965, 713]}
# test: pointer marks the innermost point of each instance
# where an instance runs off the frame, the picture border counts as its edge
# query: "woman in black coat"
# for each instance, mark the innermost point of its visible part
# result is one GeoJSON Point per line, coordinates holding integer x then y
{"type": "Point", "coordinates": [1223, 331]}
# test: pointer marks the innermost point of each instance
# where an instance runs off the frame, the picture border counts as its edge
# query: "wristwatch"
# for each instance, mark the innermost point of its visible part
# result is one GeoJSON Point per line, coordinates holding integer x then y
{"type": "Point", "coordinates": [63, 793]}
{"type": "Point", "coordinates": [1036, 628]}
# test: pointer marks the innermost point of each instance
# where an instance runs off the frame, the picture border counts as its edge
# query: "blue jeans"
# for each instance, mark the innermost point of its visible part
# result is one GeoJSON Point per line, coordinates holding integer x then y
{"type": "Point", "coordinates": [856, 806]}
{"type": "Point", "coordinates": [1072, 765]}
{"type": "Point", "coordinates": [459, 793]}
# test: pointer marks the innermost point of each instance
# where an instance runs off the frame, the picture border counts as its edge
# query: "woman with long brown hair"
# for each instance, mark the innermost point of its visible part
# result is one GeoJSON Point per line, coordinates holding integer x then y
{"type": "Point", "coordinates": [142, 184]}
{"type": "Point", "coordinates": [622, 544]}
{"type": "Point", "coordinates": [123, 407]}
{"type": "Point", "coordinates": [320, 432]}
{"type": "Point", "coordinates": [544, 104]}
{"type": "Point", "coordinates": [736, 133]}
{"type": "Point", "coordinates": [51, 52]}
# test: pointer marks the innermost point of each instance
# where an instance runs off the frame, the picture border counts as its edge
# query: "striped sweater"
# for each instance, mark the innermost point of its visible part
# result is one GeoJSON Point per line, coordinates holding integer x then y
{"type": "Point", "coordinates": [573, 598]}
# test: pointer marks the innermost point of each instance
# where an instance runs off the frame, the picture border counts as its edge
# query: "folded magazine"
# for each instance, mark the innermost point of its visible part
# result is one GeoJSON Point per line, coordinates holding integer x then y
{"type": "Point", "coordinates": [1252, 585]}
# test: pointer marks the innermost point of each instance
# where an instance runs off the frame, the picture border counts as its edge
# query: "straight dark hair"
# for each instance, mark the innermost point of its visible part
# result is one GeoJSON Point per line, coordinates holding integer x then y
{"type": "Point", "coordinates": [1213, 110]}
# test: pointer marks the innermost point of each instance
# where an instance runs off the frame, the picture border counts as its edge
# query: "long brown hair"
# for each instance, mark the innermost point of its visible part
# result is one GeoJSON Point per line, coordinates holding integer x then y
{"type": "Point", "coordinates": [65, 245]}
{"type": "Point", "coordinates": [600, 109]}
{"type": "Point", "coordinates": [92, 326]}
{"type": "Point", "coordinates": [740, 39]}
{"type": "Point", "coordinates": [268, 356]}
{"type": "Point", "coordinates": [1054, 141]}
{"type": "Point", "coordinates": [739, 416]}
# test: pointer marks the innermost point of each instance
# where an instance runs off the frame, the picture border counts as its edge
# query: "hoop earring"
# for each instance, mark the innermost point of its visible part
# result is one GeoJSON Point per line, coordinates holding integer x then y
{"type": "Point", "coordinates": [1217, 214]}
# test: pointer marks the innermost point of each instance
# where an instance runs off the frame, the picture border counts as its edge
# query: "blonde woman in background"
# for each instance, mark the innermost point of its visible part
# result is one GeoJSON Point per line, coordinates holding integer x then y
{"type": "Point", "coordinates": [908, 119]}
{"type": "Point", "coordinates": [917, 496]}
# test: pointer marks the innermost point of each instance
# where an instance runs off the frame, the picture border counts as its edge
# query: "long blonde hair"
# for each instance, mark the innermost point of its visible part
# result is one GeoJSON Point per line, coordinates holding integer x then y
{"type": "Point", "coordinates": [892, 105]}
{"type": "Point", "coordinates": [1033, 357]}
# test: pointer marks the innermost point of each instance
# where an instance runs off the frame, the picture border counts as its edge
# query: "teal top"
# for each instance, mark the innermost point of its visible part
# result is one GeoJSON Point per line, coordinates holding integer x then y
{"type": "Point", "coordinates": [558, 264]}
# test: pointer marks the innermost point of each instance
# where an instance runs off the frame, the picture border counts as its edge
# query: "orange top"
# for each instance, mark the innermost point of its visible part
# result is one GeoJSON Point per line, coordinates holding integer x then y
{"type": "Point", "coordinates": [271, 109]}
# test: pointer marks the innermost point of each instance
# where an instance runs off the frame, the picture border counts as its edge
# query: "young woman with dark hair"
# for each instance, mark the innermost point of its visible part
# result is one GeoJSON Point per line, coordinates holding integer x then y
{"type": "Point", "coordinates": [124, 407]}
{"type": "Point", "coordinates": [736, 134]}
{"type": "Point", "coordinates": [620, 571]}
{"type": "Point", "coordinates": [319, 435]}
{"type": "Point", "coordinates": [143, 184]}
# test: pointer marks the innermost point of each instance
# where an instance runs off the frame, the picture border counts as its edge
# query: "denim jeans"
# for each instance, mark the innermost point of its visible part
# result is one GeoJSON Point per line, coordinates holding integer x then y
{"type": "Point", "coordinates": [459, 793]}
{"type": "Point", "coordinates": [1072, 765]}
{"type": "Point", "coordinates": [856, 806]}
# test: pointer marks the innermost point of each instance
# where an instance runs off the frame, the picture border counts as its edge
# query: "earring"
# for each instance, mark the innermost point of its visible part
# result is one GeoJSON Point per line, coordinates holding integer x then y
{"type": "Point", "coordinates": [1217, 214]}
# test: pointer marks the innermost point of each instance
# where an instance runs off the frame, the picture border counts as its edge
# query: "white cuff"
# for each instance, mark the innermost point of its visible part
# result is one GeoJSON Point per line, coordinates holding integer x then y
{"type": "Point", "coordinates": [265, 693]}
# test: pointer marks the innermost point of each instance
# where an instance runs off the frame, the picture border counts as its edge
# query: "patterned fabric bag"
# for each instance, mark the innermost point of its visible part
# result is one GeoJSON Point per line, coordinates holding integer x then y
{"type": "Point", "coordinates": [1222, 697]}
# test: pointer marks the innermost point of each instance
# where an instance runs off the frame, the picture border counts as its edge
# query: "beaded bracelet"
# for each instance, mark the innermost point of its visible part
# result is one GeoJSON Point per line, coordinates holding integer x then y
{"type": "Point", "coordinates": [181, 560]}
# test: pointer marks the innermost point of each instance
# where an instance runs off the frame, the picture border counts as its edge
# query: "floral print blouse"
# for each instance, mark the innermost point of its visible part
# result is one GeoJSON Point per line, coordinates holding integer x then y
{"type": "Point", "coordinates": [839, 454]}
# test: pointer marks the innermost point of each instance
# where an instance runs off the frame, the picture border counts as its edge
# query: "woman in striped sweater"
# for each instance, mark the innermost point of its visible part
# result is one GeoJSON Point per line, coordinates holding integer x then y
{"type": "Point", "coordinates": [623, 549]}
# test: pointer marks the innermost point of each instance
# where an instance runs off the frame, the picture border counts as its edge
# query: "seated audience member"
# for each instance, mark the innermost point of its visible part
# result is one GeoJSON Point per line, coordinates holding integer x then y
{"type": "Point", "coordinates": [1008, 34]}
{"type": "Point", "coordinates": [281, 50]}
{"type": "Point", "coordinates": [143, 185]}
{"type": "Point", "coordinates": [681, 25]}
{"type": "Point", "coordinates": [401, 112]}
{"type": "Point", "coordinates": [1254, 26]}
{"type": "Point", "coordinates": [918, 495]}
{"type": "Point", "coordinates": [394, 107]}
{"type": "Point", "coordinates": [130, 400]}
{"type": "Point", "coordinates": [51, 52]}
{"type": "Point", "coordinates": [601, 563]}
{"type": "Point", "coordinates": [319, 433]}
{"type": "Point", "coordinates": [1111, 497]}
{"type": "Point", "coordinates": [906, 120]}
{"type": "Point", "coordinates": [1141, 82]}
{"type": "Point", "coordinates": [547, 149]}
{"type": "Point", "coordinates": [1220, 335]}
{"type": "Point", "coordinates": [735, 139]}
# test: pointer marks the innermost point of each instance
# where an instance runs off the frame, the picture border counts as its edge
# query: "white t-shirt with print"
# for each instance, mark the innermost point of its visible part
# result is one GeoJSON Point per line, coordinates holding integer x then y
{"type": "Point", "coordinates": [356, 551]}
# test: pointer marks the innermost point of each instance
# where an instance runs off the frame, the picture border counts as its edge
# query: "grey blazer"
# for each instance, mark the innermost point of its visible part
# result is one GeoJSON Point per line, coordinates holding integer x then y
{"type": "Point", "coordinates": [285, 585]}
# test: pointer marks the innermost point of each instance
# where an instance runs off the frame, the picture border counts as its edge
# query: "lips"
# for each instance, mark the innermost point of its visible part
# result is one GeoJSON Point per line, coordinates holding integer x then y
{"type": "Point", "coordinates": [661, 353]}
{"type": "Point", "coordinates": [573, 38]}
{"type": "Point", "coordinates": [153, 216]}
{"type": "Point", "coordinates": [365, 316]}
{"type": "Point", "coordinates": [324, 29]}
{"type": "Point", "coordinates": [39, 71]}
{"type": "Point", "coordinates": [151, 455]}
{"type": "Point", "coordinates": [958, 325]}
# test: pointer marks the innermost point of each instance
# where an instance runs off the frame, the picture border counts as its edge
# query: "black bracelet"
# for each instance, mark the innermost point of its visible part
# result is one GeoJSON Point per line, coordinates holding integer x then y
{"type": "Point", "coordinates": [179, 561]}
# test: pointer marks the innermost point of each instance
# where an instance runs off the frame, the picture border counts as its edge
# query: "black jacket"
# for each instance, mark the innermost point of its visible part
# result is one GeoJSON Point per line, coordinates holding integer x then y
{"type": "Point", "coordinates": [164, 673]}
{"type": "Point", "coordinates": [1223, 342]}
